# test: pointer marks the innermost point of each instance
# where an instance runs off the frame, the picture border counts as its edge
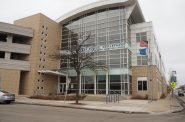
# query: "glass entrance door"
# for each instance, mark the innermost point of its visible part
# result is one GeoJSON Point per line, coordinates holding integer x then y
{"type": "Point", "coordinates": [62, 88]}
{"type": "Point", "coordinates": [87, 84]}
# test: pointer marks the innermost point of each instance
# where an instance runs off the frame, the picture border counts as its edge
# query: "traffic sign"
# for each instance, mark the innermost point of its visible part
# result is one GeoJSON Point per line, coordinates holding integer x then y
{"type": "Point", "coordinates": [173, 84]}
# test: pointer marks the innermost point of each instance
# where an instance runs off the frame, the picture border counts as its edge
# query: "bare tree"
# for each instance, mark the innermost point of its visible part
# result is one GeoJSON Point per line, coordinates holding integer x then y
{"type": "Point", "coordinates": [81, 57]}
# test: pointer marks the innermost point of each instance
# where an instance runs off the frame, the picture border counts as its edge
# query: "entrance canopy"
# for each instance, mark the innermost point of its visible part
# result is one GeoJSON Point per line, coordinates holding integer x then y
{"type": "Point", "coordinates": [50, 72]}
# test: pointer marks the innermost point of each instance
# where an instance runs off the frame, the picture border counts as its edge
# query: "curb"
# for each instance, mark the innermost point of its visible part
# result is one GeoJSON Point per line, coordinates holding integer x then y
{"type": "Point", "coordinates": [76, 107]}
{"type": "Point", "coordinates": [178, 111]}
{"type": "Point", "coordinates": [180, 102]}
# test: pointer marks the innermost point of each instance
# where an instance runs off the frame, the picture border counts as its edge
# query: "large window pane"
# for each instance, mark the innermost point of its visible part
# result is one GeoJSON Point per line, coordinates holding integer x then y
{"type": "Point", "coordinates": [103, 38]}
{"type": "Point", "coordinates": [144, 85]}
{"type": "Point", "coordinates": [102, 30]}
{"type": "Point", "coordinates": [114, 28]}
{"type": "Point", "coordinates": [114, 61]}
{"type": "Point", "coordinates": [101, 78]}
{"type": "Point", "coordinates": [114, 66]}
{"type": "Point", "coordinates": [103, 25]}
{"type": "Point", "coordinates": [114, 37]}
{"type": "Point", "coordinates": [114, 23]}
{"type": "Point", "coordinates": [139, 85]}
{"type": "Point", "coordinates": [115, 78]}
{"type": "Point", "coordinates": [114, 19]}
{"type": "Point", "coordinates": [115, 86]}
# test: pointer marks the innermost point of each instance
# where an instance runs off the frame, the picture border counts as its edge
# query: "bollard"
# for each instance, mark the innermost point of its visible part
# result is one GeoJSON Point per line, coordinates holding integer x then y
{"type": "Point", "coordinates": [111, 97]}
{"type": "Point", "coordinates": [106, 98]}
{"type": "Point", "coordinates": [116, 97]}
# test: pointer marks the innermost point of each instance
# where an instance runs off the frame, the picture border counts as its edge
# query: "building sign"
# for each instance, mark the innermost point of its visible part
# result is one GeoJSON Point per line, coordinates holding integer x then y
{"type": "Point", "coordinates": [114, 46]}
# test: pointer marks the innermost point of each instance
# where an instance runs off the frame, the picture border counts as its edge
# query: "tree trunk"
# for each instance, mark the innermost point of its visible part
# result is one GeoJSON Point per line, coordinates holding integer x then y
{"type": "Point", "coordinates": [77, 87]}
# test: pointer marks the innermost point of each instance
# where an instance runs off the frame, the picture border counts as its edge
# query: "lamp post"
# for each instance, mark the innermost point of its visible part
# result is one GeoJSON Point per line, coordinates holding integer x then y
{"type": "Point", "coordinates": [150, 84]}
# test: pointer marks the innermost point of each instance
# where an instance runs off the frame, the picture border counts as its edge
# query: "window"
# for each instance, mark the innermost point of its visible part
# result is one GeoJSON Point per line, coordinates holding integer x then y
{"type": "Point", "coordinates": [141, 36]}
{"type": "Point", "coordinates": [3, 37]}
{"type": "Point", "coordinates": [142, 60]}
{"type": "Point", "coordinates": [142, 85]}
{"type": "Point", "coordinates": [2, 54]}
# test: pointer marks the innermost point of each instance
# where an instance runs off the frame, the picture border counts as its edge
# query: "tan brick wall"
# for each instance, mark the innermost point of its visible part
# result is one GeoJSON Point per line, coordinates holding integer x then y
{"type": "Point", "coordinates": [10, 80]}
{"type": "Point", "coordinates": [45, 42]}
{"type": "Point", "coordinates": [155, 89]}
{"type": "Point", "coordinates": [51, 85]}
{"type": "Point", "coordinates": [138, 72]}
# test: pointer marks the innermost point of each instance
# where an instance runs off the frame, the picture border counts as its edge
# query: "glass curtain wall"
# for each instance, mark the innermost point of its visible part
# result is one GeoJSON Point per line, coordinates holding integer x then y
{"type": "Point", "coordinates": [108, 29]}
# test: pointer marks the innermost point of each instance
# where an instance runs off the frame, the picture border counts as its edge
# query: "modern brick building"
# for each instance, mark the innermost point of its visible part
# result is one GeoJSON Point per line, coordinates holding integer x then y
{"type": "Point", "coordinates": [117, 28]}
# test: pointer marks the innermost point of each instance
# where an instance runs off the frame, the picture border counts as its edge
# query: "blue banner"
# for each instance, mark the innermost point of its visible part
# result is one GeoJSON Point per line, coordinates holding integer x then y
{"type": "Point", "coordinates": [143, 52]}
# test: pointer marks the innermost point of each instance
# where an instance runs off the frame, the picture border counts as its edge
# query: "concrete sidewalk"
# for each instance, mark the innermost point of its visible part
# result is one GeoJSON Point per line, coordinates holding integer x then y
{"type": "Point", "coordinates": [167, 105]}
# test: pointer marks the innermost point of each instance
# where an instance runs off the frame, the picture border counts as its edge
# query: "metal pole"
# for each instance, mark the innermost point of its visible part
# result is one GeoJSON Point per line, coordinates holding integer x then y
{"type": "Point", "coordinates": [150, 85]}
{"type": "Point", "coordinates": [172, 92]}
{"type": "Point", "coordinates": [114, 97]}
{"type": "Point", "coordinates": [148, 79]}
{"type": "Point", "coordinates": [106, 98]}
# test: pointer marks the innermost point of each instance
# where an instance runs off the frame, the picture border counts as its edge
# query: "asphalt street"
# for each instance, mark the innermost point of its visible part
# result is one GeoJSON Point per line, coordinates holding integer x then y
{"type": "Point", "coordinates": [34, 113]}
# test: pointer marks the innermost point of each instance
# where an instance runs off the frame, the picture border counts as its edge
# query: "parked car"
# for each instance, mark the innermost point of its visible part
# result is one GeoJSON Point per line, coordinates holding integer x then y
{"type": "Point", "coordinates": [180, 93]}
{"type": "Point", "coordinates": [6, 97]}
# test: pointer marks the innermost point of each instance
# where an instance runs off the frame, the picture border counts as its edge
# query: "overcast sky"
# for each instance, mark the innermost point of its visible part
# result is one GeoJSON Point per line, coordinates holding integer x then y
{"type": "Point", "coordinates": [168, 18]}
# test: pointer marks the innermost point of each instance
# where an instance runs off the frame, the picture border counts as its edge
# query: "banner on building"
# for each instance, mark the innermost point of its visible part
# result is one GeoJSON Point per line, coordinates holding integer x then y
{"type": "Point", "coordinates": [143, 52]}
{"type": "Point", "coordinates": [143, 43]}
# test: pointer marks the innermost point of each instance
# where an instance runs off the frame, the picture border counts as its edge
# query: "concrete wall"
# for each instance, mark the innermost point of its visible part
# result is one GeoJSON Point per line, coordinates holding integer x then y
{"type": "Point", "coordinates": [45, 42]}
{"type": "Point", "coordinates": [17, 48]}
{"type": "Point", "coordinates": [14, 64]}
{"type": "Point", "coordinates": [8, 47]}
{"type": "Point", "coordinates": [18, 30]}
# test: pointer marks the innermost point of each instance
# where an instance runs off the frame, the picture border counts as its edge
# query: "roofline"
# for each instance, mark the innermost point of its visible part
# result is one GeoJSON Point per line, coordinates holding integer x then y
{"type": "Point", "coordinates": [16, 29]}
{"type": "Point", "coordinates": [95, 6]}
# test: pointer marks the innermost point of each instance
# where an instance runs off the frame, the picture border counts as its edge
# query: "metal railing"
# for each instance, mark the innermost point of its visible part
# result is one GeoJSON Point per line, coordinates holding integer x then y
{"type": "Point", "coordinates": [112, 98]}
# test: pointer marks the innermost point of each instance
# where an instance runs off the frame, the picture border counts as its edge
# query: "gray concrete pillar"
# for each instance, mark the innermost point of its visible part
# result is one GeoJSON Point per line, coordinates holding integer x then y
{"type": "Point", "coordinates": [107, 85]}
{"type": "Point", "coordinates": [58, 86]}
{"type": "Point", "coordinates": [94, 83]}
{"type": "Point", "coordinates": [9, 39]}
{"type": "Point", "coordinates": [7, 55]}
